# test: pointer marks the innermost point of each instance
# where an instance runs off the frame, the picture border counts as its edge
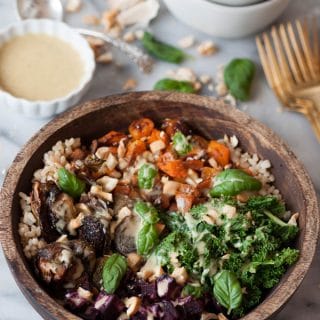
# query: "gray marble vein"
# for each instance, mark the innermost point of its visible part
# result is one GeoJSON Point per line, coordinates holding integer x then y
{"type": "Point", "coordinates": [293, 128]}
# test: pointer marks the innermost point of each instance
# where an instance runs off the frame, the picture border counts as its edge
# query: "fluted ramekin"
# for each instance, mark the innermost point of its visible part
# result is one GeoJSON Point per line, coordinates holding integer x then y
{"type": "Point", "coordinates": [45, 109]}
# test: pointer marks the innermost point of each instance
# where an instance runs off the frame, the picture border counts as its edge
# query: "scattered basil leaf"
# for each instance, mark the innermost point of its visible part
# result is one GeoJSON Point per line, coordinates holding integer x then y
{"type": "Point", "coordinates": [162, 50]}
{"type": "Point", "coordinates": [227, 290]}
{"type": "Point", "coordinates": [147, 239]}
{"type": "Point", "coordinates": [231, 182]}
{"type": "Point", "coordinates": [146, 211]}
{"type": "Point", "coordinates": [181, 143]}
{"type": "Point", "coordinates": [167, 84]}
{"type": "Point", "coordinates": [238, 76]}
{"type": "Point", "coordinates": [113, 271]}
{"type": "Point", "coordinates": [70, 183]}
{"type": "Point", "coordinates": [146, 176]}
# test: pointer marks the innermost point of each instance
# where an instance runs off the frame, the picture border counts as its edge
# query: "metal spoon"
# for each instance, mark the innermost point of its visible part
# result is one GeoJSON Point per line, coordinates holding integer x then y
{"type": "Point", "coordinates": [53, 9]}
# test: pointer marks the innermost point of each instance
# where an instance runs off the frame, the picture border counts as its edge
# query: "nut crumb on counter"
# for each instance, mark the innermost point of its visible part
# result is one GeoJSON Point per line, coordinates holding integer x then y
{"type": "Point", "coordinates": [130, 84]}
{"type": "Point", "coordinates": [207, 48]}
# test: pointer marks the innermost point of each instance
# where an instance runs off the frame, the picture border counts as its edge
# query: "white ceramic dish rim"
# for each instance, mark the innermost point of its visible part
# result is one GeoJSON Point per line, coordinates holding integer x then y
{"type": "Point", "coordinates": [22, 27]}
{"type": "Point", "coordinates": [251, 7]}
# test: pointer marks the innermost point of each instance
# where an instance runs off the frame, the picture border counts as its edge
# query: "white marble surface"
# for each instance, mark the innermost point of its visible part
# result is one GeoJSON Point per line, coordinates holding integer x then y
{"type": "Point", "coordinates": [294, 129]}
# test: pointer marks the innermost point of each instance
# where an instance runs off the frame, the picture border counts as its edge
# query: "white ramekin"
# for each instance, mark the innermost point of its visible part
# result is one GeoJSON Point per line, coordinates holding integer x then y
{"type": "Point", "coordinates": [45, 109]}
{"type": "Point", "coordinates": [226, 21]}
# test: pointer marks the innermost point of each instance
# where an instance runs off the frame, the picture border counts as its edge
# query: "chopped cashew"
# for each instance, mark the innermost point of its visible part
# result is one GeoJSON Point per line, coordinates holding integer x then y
{"type": "Point", "coordinates": [170, 187]}
{"type": "Point", "coordinates": [107, 183]}
{"type": "Point", "coordinates": [97, 191]}
{"type": "Point", "coordinates": [180, 274]}
{"type": "Point", "coordinates": [133, 304]}
{"type": "Point", "coordinates": [134, 261]}
{"type": "Point", "coordinates": [157, 145]}
{"type": "Point", "coordinates": [293, 220]}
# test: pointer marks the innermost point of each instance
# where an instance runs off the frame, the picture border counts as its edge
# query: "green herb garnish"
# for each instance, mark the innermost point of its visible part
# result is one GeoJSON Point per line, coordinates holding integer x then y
{"type": "Point", "coordinates": [227, 290]}
{"type": "Point", "coordinates": [147, 238]}
{"type": "Point", "coordinates": [231, 182]}
{"type": "Point", "coordinates": [70, 183]}
{"type": "Point", "coordinates": [181, 143]}
{"type": "Point", "coordinates": [146, 176]}
{"type": "Point", "coordinates": [238, 76]}
{"type": "Point", "coordinates": [146, 211]}
{"type": "Point", "coordinates": [174, 85]}
{"type": "Point", "coordinates": [113, 271]}
{"type": "Point", "coordinates": [162, 50]}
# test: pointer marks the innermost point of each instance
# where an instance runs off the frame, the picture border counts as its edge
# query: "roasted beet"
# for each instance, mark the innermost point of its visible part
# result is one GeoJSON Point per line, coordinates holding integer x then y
{"type": "Point", "coordinates": [93, 232]}
{"type": "Point", "coordinates": [149, 290]}
{"type": "Point", "coordinates": [91, 313]}
{"type": "Point", "coordinates": [164, 310]}
{"type": "Point", "coordinates": [189, 307]}
{"type": "Point", "coordinates": [109, 306]}
{"type": "Point", "coordinates": [167, 287]}
{"type": "Point", "coordinates": [125, 234]}
{"type": "Point", "coordinates": [77, 299]}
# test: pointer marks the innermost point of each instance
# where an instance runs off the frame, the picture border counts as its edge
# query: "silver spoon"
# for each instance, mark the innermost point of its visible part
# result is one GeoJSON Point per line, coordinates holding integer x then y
{"type": "Point", "coordinates": [53, 9]}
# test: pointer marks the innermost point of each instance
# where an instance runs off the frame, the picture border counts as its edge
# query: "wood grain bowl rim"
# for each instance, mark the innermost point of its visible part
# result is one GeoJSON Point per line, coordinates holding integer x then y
{"type": "Point", "coordinates": [47, 306]}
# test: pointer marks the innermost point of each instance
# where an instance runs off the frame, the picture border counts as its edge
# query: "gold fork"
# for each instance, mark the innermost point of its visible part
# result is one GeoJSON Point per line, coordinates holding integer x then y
{"type": "Point", "coordinates": [292, 68]}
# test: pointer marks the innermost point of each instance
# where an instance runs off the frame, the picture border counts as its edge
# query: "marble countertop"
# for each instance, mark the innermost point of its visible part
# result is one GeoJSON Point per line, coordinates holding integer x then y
{"type": "Point", "coordinates": [293, 128]}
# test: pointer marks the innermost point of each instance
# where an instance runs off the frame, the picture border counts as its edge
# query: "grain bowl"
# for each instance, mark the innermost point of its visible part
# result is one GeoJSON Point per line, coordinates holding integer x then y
{"type": "Point", "coordinates": [238, 145]}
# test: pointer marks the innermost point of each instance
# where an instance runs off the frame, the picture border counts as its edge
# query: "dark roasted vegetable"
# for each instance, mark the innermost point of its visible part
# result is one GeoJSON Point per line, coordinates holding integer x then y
{"type": "Point", "coordinates": [162, 50]}
{"type": "Point", "coordinates": [167, 288]}
{"type": "Point", "coordinates": [190, 308]}
{"type": "Point", "coordinates": [125, 234]}
{"type": "Point", "coordinates": [93, 232]}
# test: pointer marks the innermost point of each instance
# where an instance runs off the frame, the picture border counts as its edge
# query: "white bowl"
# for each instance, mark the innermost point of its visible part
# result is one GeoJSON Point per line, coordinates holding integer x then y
{"type": "Point", "coordinates": [44, 109]}
{"type": "Point", "coordinates": [226, 21]}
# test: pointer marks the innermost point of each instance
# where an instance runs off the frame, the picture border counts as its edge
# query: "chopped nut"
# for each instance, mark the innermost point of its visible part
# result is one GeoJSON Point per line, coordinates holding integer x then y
{"type": "Point", "coordinates": [139, 34]}
{"type": "Point", "coordinates": [85, 294]}
{"type": "Point", "coordinates": [111, 161]}
{"type": "Point", "coordinates": [205, 79]}
{"type": "Point", "coordinates": [170, 187]}
{"type": "Point", "coordinates": [186, 42]}
{"type": "Point", "coordinates": [91, 19]}
{"type": "Point", "coordinates": [207, 48]}
{"type": "Point", "coordinates": [62, 238]}
{"type": "Point", "coordinates": [73, 6]}
{"type": "Point", "coordinates": [109, 18]}
{"type": "Point", "coordinates": [129, 36]}
{"type": "Point", "coordinates": [197, 86]}
{"type": "Point", "coordinates": [75, 224]}
{"type": "Point", "coordinates": [221, 316]}
{"type": "Point", "coordinates": [180, 275]}
{"type": "Point", "coordinates": [208, 316]}
{"type": "Point", "coordinates": [243, 196]}
{"type": "Point", "coordinates": [115, 31]}
{"type": "Point", "coordinates": [230, 99]}
{"type": "Point", "coordinates": [95, 42]}
{"type": "Point", "coordinates": [293, 220]}
{"type": "Point", "coordinates": [213, 163]}
{"type": "Point", "coordinates": [133, 304]}
{"type": "Point", "coordinates": [97, 191]}
{"type": "Point", "coordinates": [134, 261]}
{"type": "Point", "coordinates": [221, 89]}
{"type": "Point", "coordinates": [102, 153]}
{"type": "Point", "coordinates": [130, 84]}
{"type": "Point", "coordinates": [108, 183]}
{"type": "Point", "coordinates": [105, 58]}
{"type": "Point", "coordinates": [182, 74]}
{"type": "Point", "coordinates": [157, 146]}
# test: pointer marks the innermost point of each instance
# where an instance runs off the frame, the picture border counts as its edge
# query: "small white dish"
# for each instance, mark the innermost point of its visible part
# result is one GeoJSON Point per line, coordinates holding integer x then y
{"type": "Point", "coordinates": [226, 21]}
{"type": "Point", "coordinates": [237, 3]}
{"type": "Point", "coordinates": [45, 109]}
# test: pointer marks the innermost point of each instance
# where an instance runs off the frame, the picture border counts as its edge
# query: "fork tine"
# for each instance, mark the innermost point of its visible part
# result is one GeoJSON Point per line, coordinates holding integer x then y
{"type": "Point", "coordinates": [316, 48]}
{"type": "Point", "coordinates": [265, 62]}
{"type": "Point", "coordinates": [303, 32]}
{"type": "Point", "coordinates": [298, 53]}
{"type": "Point", "coordinates": [292, 60]}
{"type": "Point", "coordinates": [274, 66]}
{"type": "Point", "coordinates": [283, 65]}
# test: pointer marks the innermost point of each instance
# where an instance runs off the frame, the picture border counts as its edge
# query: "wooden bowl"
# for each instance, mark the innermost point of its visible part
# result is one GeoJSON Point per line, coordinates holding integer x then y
{"type": "Point", "coordinates": [212, 119]}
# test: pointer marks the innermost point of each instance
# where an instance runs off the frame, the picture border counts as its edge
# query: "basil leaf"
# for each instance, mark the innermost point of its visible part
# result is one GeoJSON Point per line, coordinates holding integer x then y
{"type": "Point", "coordinates": [147, 239]}
{"type": "Point", "coordinates": [70, 184]}
{"type": "Point", "coordinates": [113, 271]}
{"type": "Point", "coordinates": [231, 182]}
{"type": "Point", "coordinates": [162, 50]}
{"type": "Point", "coordinates": [181, 144]}
{"type": "Point", "coordinates": [227, 290]}
{"type": "Point", "coordinates": [238, 76]}
{"type": "Point", "coordinates": [146, 176]}
{"type": "Point", "coordinates": [174, 85]}
{"type": "Point", "coordinates": [146, 211]}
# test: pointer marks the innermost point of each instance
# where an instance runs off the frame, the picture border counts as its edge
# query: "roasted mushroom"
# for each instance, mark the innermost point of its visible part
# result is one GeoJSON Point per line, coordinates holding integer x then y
{"type": "Point", "coordinates": [64, 262]}
{"type": "Point", "coordinates": [94, 232]}
{"type": "Point", "coordinates": [171, 126]}
{"type": "Point", "coordinates": [42, 198]}
{"type": "Point", "coordinates": [125, 234]}
{"type": "Point", "coordinates": [120, 201]}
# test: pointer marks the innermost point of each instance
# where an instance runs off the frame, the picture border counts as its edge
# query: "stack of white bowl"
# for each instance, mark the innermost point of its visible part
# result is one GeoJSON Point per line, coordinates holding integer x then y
{"type": "Point", "coordinates": [227, 18]}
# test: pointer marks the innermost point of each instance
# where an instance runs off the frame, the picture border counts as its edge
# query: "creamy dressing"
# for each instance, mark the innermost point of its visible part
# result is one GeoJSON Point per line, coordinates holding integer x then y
{"type": "Point", "coordinates": [39, 67]}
